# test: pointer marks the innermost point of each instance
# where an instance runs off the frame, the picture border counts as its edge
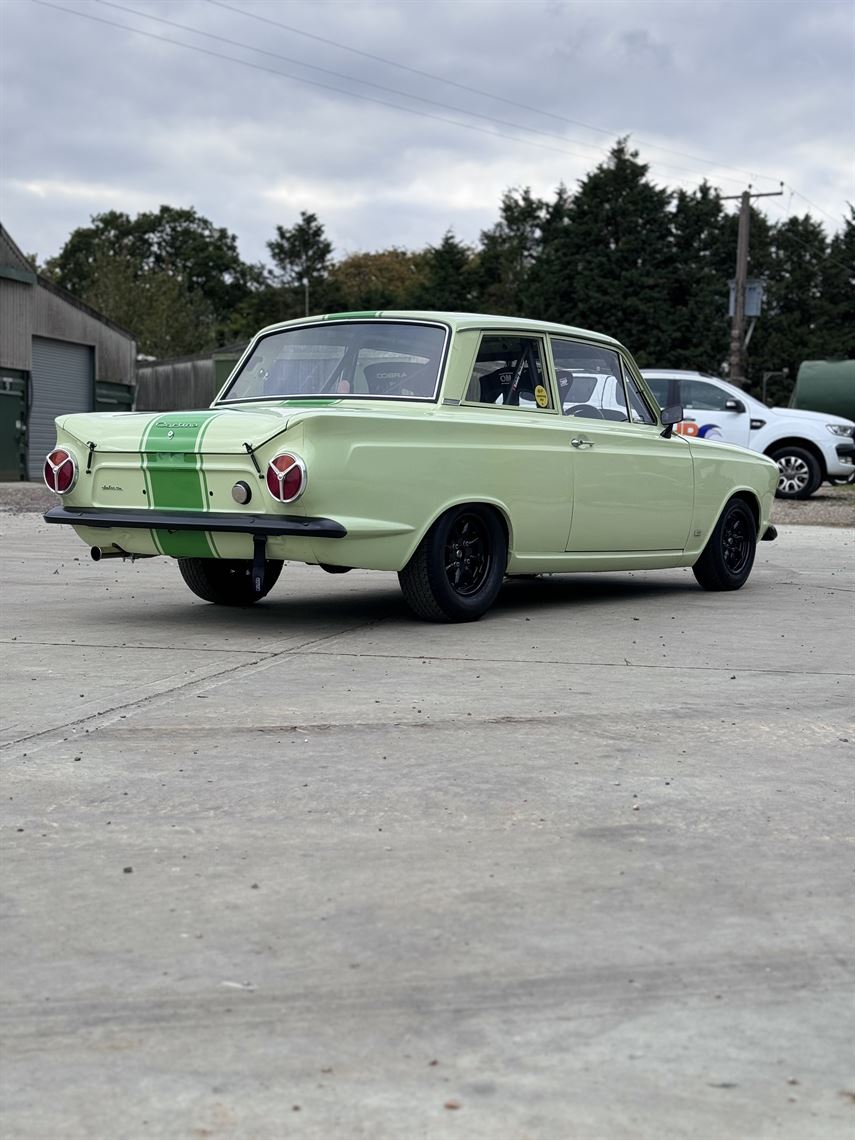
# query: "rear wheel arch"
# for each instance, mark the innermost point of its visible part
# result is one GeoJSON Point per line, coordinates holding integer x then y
{"type": "Point", "coordinates": [457, 569]}
{"type": "Point", "coordinates": [488, 504]}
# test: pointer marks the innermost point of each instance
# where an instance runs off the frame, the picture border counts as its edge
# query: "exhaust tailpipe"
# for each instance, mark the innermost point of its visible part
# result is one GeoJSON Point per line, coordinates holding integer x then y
{"type": "Point", "coordinates": [96, 553]}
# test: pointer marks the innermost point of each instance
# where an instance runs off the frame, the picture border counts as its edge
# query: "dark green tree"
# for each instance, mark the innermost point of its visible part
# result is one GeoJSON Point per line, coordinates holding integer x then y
{"type": "Point", "coordinates": [835, 333]}
{"type": "Point", "coordinates": [447, 280]}
{"type": "Point", "coordinates": [156, 306]}
{"type": "Point", "coordinates": [110, 234]}
{"type": "Point", "coordinates": [301, 258]}
{"type": "Point", "coordinates": [616, 247]}
{"type": "Point", "coordinates": [550, 291]}
{"type": "Point", "coordinates": [173, 249]}
{"type": "Point", "coordinates": [702, 265]}
{"type": "Point", "coordinates": [507, 253]}
{"type": "Point", "coordinates": [787, 332]}
{"type": "Point", "coordinates": [387, 279]}
{"type": "Point", "coordinates": [186, 245]}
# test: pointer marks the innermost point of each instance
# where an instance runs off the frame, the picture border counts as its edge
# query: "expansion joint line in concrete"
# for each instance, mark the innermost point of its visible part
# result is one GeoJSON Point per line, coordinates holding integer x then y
{"type": "Point", "coordinates": [110, 715]}
{"type": "Point", "coordinates": [553, 662]}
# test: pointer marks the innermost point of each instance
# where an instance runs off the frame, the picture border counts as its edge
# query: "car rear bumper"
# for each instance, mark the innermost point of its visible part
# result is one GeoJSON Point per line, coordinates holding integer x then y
{"type": "Point", "coordinates": [268, 526]}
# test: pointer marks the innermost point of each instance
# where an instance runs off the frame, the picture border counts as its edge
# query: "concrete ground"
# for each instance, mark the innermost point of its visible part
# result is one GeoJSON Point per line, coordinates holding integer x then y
{"type": "Point", "coordinates": [579, 871]}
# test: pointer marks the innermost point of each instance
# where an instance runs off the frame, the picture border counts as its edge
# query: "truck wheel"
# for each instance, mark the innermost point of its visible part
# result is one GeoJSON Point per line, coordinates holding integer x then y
{"type": "Point", "coordinates": [727, 558]}
{"type": "Point", "coordinates": [457, 569]}
{"type": "Point", "coordinates": [227, 581]}
{"type": "Point", "coordinates": [799, 472]}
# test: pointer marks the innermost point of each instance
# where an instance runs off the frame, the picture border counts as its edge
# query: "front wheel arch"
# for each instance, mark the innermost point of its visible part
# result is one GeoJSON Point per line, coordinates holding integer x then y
{"type": "Point", "coordinates": [753, 505]}
{"type": "Point", "coordinates": [727, 559]}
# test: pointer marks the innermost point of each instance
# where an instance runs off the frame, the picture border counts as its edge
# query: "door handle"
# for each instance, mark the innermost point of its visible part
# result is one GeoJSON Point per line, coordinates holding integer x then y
{"type": "Point", "coordinates": [577, 442]}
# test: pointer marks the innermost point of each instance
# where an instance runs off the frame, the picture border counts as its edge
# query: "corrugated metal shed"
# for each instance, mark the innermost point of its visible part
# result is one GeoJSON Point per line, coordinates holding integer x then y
{"type": "Point", "coordinates": [33, 307]}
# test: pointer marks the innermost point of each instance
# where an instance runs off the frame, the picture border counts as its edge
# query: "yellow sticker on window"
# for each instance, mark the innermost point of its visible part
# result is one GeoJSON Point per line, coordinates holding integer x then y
{"type": "Point", "coordinates": [541, 396]}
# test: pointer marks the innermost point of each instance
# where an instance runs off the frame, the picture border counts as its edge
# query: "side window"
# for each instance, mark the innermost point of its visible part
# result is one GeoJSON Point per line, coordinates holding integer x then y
{"type": "Point", "coordinates": [702, 396]}
{"type": "Point", "coordinates": [509, 371]}
{"type": "Point", "coordinates": [659, 388]}
{"type": "Point", "coordinates": [639, 411]}
{"type": "Point", "coordinates": [589, 381]}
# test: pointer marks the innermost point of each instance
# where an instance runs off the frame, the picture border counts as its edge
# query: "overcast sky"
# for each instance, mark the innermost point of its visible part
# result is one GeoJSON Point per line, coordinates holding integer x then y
{"type": "Point", "coordinates": [97, 117]}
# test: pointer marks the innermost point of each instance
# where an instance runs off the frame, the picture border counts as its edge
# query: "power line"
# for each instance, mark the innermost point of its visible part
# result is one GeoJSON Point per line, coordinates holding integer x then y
{"type": "Point", "coordinates": [380, 87]}
{"type": "Point", "coordinates": [800, 241]}
{"type": "Point", "coordinates": [830, 217]}
{"type": "Point", "coordinates": [343, 75]}
{"type": "Point", "coordinates": [310, 82]}
{"type": "Point", "coordinates": [485, 94]}
{"type": "Point", "coordinates": [338, 90]}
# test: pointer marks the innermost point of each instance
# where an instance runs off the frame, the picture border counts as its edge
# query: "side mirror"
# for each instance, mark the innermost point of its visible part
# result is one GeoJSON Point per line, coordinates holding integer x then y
{"type": "Point", "coordinates": [734, 406]}
{"type": "Point", "coordinates": [670, 416]}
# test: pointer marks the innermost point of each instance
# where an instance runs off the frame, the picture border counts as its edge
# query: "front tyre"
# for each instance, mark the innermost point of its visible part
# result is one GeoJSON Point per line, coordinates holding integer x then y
{"type": "Point", "coordinates": [457, 569]}
{"type": "Point", "coordinates": [727, 558]}
{"type": "Point", "coordinates": [799, 472]}
{"type": "Point", "coordinates": [227, 581]}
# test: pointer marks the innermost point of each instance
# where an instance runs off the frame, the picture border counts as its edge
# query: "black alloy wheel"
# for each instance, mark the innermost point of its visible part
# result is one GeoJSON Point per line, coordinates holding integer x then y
{"type": "Point", "coordinates": [728, 556]}
{"type": "Point", "coordinates": [468, 554]}
{"type": "Point", "coordinates": [457, 570]}
{"type": "Point", "coordinates": [736, 546]}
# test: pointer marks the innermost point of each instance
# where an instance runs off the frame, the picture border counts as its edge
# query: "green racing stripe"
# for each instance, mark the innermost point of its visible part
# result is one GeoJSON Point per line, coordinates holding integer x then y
{"type": "Point", "coordinates": [172, 463]}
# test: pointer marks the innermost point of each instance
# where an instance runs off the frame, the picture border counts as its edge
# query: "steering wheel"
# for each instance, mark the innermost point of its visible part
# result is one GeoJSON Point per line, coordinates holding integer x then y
{"type": "Point", "coordinates": [587, 411]}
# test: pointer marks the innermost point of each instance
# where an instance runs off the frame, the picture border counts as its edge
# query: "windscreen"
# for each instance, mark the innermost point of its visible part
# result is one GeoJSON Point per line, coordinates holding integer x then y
{"type": "Point", "coordinates": [342, 360]}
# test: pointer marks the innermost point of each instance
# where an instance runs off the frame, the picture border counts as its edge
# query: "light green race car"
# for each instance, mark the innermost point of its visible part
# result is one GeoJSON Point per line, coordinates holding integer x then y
{"type": "Point", "coordinates": [451, 448]}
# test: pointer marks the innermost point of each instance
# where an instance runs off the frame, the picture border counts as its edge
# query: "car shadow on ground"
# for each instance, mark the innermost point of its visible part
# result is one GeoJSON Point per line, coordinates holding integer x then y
{"type": "Point", "coordinates": [337, 608]}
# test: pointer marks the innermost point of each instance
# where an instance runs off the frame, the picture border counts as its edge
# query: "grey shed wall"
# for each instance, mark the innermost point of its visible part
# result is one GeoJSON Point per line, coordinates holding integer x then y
{"type": "Point", "coordinates": [43, 310]}
{"type": "Point", "coordinates": [81, 359]}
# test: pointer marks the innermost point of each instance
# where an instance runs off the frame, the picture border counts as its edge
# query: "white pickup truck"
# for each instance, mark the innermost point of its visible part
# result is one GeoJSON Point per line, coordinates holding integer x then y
{"type": "Point", "coordinates": [808, 447]}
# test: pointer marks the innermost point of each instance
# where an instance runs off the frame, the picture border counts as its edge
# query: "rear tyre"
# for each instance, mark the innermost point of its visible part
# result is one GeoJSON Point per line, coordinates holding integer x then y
{"type": "Point", "coordinates": [727, 558]}
{"type": "Point", "coordinates": [799, 472]}
{"type": "Point", "coordinates": [457, 570]}
{"type": "Point", "coordinates": [227, 581]}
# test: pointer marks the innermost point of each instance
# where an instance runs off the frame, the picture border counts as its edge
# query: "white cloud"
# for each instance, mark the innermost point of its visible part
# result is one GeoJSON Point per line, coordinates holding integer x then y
{"type": "Point", "coordinates": [97, 118]}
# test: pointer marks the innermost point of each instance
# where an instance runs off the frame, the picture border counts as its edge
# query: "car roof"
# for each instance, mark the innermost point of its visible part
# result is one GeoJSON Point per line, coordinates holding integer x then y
{"type": "Point", "coordinates": [681, 374]}
{"type": "Point", "coordinates": [457, 322]}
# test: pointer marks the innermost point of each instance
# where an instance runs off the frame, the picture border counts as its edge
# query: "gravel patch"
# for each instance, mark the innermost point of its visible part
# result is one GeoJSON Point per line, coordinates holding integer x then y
{"type": "Point", "coordinates": [830, 506]}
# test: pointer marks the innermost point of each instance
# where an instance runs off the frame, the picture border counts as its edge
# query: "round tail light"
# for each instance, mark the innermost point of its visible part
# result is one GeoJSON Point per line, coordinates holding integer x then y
{"type": "Point", "coordinates": [286, 478]}
{"type": "Point", "coordinates": [60, 471]}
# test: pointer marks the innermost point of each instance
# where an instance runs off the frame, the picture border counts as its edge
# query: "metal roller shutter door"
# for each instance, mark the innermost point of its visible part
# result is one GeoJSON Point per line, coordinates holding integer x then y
{"type": "Point", "coordinates": [63, 381]}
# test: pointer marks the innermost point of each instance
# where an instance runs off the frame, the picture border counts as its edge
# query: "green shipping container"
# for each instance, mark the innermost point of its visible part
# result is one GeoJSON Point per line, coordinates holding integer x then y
{"type": "Point", "coordinates": [826, 386]}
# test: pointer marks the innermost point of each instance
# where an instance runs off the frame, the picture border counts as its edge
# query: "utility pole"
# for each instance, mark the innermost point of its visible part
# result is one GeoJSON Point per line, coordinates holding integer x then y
{"type": "Point", "coordinates": [737, 326]}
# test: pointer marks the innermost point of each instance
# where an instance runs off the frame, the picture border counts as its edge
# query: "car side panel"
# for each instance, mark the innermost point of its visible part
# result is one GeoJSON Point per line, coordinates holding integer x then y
{"type": "Point", "coordinates": [722, 471]}
{"type": "Point", "coordinates": [633, 490]}
{"type": "Point", "coordinates": [405, 478]}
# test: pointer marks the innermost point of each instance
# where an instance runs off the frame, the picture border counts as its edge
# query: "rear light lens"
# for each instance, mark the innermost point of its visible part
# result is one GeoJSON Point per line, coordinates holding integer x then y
{"type": "Point", "coordinates": [286, 478]}
{"type": "Point", "coordinates": [60, 471]}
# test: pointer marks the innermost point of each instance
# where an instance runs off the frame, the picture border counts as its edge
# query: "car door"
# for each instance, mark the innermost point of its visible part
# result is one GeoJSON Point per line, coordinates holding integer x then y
{"type": "Point", "coordinates": [516, 448]}
{"type": "Point", "coordinates": [633, 489]}
{"type": "Point", "coordinates": [712, 412]}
